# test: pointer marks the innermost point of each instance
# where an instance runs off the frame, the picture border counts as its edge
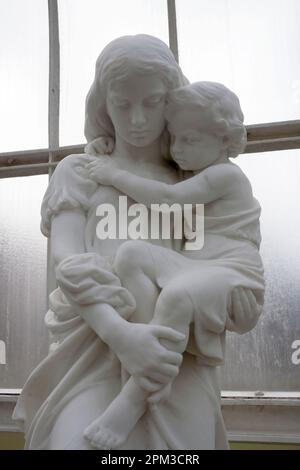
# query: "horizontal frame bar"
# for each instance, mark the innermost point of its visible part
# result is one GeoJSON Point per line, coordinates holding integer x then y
{"type": "Point", "coordinates": [33, 162]}
{"type": "Point", "coordinates": [247, 396]}
{"type": "Point", "coordinates": [273, 130]}
{"type": "Point", "coordinates": [266, 137]}
{"type": "Point", "coordinates": [246, 418]}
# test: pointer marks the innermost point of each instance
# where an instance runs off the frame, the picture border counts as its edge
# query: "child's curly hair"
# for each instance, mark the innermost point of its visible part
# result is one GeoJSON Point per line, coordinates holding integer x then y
{"type": "Point", "coordinates": [225, 115]}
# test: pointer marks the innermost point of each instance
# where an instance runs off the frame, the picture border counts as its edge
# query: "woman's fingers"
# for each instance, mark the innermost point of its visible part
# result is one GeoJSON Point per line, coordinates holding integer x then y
{"type": "Point", "coordinates": [171, 357]}
{"type": "Point", "coordinates": [161, 394]}
{"type": "Point", "coordinates": [167, 333]}
{"type": "Point", "coordinates": [147, 384]}
{"type": "Point", "coordinates": [165, 373]}
{"type": "Point", "coordinates": [255, 306]}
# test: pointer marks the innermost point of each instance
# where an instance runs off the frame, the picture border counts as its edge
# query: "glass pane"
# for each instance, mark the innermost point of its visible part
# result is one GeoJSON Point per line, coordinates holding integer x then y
{"type": "Point", "coordinates": [24, 74]}
{"type": "Point", "coordinates": [23, 260]}
{"type": "Point", "coordinates": [86, 26]}
{"type": "Point", "coordinates": [262, 359]}
{"type": "Point", "coordinates": [252, 46]}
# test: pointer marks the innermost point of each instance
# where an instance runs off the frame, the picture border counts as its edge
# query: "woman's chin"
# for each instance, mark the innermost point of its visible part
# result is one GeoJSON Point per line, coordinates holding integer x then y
{"type": "Point", "coordinates": [140, 142]}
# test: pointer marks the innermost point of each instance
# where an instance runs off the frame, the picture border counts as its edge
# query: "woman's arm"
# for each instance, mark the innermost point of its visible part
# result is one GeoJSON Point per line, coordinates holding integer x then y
{"type": "Point", "coordinates": [67, 235]}
{"type": "Point", "coordinates": [145, 357]}
{"type": "Point", "coordinates": [67, 239]}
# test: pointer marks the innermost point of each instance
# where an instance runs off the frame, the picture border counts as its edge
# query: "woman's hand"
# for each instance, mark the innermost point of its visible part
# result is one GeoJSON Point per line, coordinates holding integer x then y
{"type": "Point", "coordinates": [245, 310]}
{"type": "Point", "coordinates": [143, 356]}
{"type": "Point", "coordinates": [102, 170]}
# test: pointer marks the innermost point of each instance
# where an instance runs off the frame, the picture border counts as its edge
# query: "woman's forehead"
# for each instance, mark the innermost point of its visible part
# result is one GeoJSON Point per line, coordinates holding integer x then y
{"type": "Point", "coordinates": [138, 84]}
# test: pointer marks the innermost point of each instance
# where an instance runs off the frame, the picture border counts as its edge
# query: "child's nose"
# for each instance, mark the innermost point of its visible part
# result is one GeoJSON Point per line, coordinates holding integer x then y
{"type": "Point", "coordinates": [176, 148]}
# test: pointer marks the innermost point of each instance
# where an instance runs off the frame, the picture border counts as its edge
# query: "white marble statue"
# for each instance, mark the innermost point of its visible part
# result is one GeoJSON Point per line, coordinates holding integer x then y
{"type": "Point", "coordinates": [206, 125]}
{"type": "Point", "coordinates": [138, 327]}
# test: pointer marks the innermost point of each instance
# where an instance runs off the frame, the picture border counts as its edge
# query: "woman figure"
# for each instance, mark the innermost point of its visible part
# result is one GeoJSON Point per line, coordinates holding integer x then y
{"type": "Point", "coordinates": [83, 373]}
{"type": "Point", "coordinates": [206, 124]}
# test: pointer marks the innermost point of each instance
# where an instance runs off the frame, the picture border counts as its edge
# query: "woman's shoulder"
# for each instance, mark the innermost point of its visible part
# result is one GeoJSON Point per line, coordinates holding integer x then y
{"type": "Point", "coordinates": [72, 162]}
{"type": "Point", "coordinates": [69, 189]}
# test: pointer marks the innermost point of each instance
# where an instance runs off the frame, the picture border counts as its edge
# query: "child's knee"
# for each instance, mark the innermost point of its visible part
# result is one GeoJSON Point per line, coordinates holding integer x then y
{"type": "Point", "coordinates": [174, 305]}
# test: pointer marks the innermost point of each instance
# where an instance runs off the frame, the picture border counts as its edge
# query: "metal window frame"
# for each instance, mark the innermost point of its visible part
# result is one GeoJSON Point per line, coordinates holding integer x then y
{"type": "Point", "coordinates": [249, 416]}
{"type": "Point", "coordinates": [263, 137]}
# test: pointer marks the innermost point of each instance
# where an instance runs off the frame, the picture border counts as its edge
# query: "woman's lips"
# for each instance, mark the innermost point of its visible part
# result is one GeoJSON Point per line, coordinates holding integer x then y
{"type": "Point", "coordinates": [139, 133]}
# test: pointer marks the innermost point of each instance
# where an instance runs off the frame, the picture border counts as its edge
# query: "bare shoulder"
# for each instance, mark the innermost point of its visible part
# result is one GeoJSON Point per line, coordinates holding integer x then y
{"type": "Point", "coordinates": [225, 173]}
{"type": "Point", "coordinates": [229, 180]}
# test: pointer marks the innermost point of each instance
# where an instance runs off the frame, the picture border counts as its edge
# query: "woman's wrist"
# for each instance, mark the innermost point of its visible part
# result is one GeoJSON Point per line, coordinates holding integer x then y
{"type": "Point", "coordinates": [115, 333]}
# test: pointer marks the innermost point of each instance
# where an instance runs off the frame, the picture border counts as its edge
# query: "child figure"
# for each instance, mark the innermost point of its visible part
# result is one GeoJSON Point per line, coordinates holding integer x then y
{"type": "Point", "coordinates": [206, 126]}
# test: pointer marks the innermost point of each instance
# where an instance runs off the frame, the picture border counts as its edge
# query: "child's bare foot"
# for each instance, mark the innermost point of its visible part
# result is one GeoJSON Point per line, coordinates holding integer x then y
{"type": "Point", "coordinates": [112, 428]}
{"type": "Point", "coordinates": [101, 437]}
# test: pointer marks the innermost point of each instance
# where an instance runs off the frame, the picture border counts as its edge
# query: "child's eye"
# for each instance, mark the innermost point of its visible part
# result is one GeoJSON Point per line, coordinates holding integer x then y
{"type": "Point", "coordinates": [192, 140]}
{"type": "Point", "coordinates": [188, 140]}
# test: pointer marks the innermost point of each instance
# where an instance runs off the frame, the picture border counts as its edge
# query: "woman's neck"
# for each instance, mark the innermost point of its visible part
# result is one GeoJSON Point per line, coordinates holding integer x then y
{"type": "Point", "coordinates": [136, 155]}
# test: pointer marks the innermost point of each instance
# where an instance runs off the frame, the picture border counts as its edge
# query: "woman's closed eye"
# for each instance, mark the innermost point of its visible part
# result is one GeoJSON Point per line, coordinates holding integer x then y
{"type": "Point", "coordinates": [122, 104]}
{"type": "Point", "coordinates": [154, 100]}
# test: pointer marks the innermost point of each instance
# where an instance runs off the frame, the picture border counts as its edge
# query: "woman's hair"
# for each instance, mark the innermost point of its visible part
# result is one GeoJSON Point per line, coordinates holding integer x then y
{"type": "Point", "coordinates": [225, 116]}
{"type": "Point", "coordinates": [127, 55]}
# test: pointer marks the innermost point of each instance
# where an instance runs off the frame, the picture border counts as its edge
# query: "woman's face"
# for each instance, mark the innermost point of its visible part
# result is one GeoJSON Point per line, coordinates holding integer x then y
{"type": "Point", "coordinates": [136, 108]}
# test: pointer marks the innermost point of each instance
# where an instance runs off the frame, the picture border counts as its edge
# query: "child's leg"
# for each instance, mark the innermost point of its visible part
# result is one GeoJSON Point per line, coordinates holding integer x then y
{"type": "Point", "coordinates": [173, 309]}
{"type": "Point", "coordinates": [134, 265]}
{"type": "Point", "coordinates": [136, 269]}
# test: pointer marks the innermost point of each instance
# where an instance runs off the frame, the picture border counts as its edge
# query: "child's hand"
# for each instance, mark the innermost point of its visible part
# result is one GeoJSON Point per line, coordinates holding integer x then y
{"type": "Point", "coordinates": [102, 170]}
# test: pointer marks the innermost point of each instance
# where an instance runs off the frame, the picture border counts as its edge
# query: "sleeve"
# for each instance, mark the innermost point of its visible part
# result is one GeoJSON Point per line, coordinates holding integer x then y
{"type": "Point", "coordinates": [88, 278]}
{"type": "Point", "coordinates": [69, 189]}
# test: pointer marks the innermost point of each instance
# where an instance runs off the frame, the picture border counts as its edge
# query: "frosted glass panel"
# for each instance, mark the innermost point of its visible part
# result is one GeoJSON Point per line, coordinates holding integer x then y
{"type": "Point", "coordinates": [86, 26]}
{"type": "Point", "coordinates": [252, 46]}
{"type": "Point", "coordinates": [22, 278]}
{"type": "Point", "coordinates": [24, 74]}
{"type": "Point", "coordinates": [262, 359]}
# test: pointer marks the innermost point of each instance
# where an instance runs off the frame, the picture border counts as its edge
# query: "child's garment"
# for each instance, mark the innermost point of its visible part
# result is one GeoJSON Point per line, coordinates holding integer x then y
{"type": "Point", "coordinates": [229, 258]}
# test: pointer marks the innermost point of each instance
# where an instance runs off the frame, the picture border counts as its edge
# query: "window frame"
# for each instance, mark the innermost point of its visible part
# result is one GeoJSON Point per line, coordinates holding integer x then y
{"type": "Point", "coordinates": [249, 416]}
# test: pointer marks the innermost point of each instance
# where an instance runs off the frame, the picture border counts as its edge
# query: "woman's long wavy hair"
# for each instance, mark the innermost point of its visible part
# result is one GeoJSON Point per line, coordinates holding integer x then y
{"type": "Point", "coordinates": [127, 55]}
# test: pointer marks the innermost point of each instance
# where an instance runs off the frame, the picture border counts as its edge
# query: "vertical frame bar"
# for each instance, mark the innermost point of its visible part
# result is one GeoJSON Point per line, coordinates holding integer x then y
{"type": "Point", "coordinates": [53, 114]}
{"type": "Point", "coordinates": [54, 78]}
{"type": "Point", "coordinates": [173, 40]}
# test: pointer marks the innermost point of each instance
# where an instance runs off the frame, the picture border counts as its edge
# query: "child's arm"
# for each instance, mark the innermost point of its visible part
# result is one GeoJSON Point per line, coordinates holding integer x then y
{"type": "Point", "coordinates": [205, 187]}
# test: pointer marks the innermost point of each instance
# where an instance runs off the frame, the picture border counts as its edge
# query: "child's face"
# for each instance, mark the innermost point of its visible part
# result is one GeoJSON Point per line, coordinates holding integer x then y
{"type": "Point", "coordinates": [193, 148]}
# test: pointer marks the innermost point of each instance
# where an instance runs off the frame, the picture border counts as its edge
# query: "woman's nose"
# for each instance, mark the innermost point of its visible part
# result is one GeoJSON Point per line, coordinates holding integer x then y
{"type": "Point", "coordinates": [137, 117]}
